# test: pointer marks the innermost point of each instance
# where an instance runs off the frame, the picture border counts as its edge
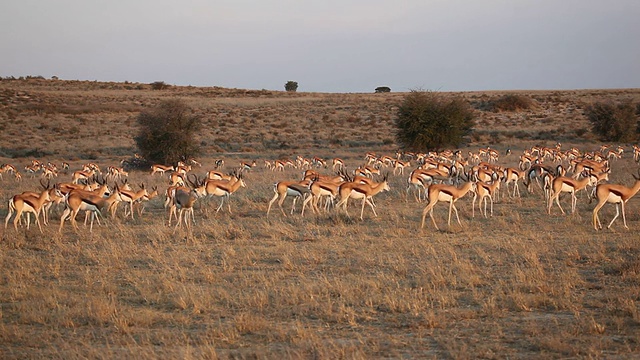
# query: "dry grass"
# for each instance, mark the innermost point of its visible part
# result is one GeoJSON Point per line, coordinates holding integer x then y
{"type": "Point", "coordinates": [522, 284]}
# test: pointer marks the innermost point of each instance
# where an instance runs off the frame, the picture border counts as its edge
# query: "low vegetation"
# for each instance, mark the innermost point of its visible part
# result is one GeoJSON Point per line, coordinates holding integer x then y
{"type": "Point", "coordinates": [521, 284]}
{"type": "Point", "coordinates": [428, 121]}
{"type": "Point", "coordinates": [167, 133]}
{"type": "Point", "coordinates": [615, 122]}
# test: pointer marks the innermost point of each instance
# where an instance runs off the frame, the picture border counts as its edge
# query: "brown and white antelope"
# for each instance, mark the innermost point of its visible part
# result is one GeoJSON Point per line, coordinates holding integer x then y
{"type": "Point", "coordinates": [484, 191]}
{"type": "Point", "coordinates": [28, 204]}
{"type": "Point", "coordinates": [358, 190]}
{"type": "Point", "coordinates": [161, 169]}
{"type": "Point", "coordinates": [294, 189]}
{"type": "Point", "coordinates": [615, 194]}
{"type": "Point", "coordinates": [224, 188]}
{"type": "Point", "coordinates": [562, 184]}
{"type": "Point", "coordinates": [448, 193]}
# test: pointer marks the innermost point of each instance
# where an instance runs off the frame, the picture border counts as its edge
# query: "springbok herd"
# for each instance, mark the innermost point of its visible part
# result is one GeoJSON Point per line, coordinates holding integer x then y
{"type": "Point", "coordinates": [432, 177]}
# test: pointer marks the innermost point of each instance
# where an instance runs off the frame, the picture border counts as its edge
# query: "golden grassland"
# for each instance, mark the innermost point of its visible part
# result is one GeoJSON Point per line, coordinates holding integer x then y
{"type": "Point", "coordinates": [521, 284]}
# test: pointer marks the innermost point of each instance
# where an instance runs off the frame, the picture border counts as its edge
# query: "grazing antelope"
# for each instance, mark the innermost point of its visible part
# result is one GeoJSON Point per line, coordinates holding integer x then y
{"type": "Point", "coordinates": [511, 176]}
{"type": "Point", "coordinates": [615, 194]}
{"type": "Point", "coordinates": [117, 173]}
{"type": "Point", "coordinates": [337, 163]}
{"type": "Point", "coordinates": [161, 169]}
{"type": "Point", "coordinates": [562, 184]}
{"type": "Point", "coordinates": [444, 192]}
{"type": "Point", "coordinates": [294, 189]}
{"type": "Point", "coordinates": [484, 191]}
{"type": "Point", "coordinates": [357, 190]}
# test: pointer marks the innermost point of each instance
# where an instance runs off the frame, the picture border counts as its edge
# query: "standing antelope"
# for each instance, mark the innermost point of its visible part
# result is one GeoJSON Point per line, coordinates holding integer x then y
{"type": "Point", "coordinates": [444, 192]}
{"type": "Point", "coordinates": [562, 184]}
{"type": "Point", "coordinates": [484, 190]}
{"type": "Point", "coordinates": [27, 204]}
{"type": "Point", "coordinates": [615, 194]}
{"type": "Point", "coordinates": [224, 188]}
{"type": "Point", "coordinates": [295, 189]}
{"type": "Point", "coordinates": [512, 176]}
{"type": "Point", "coordinates": [366, 192]}
{"type": "Point", "coordinates": [183, 200]}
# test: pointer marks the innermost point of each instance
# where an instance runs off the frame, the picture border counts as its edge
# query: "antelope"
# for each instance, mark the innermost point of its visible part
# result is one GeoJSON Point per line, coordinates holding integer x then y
{"type": "Point", "coordinates": [443, 192]}
{"type": "Point", "coordinates": [130, 197]}
{"type": "Point", "coordinates": [93, 202]}
{"type": "Point", "coordinates": [484, 190]}
{"type": "Point", "coordinates": [183, 200]}
{"type": "Point", "coordinates": [161, 169]}
{"type": "Point", "coordinates": [357, 190]}
{"type": "Point", "coordinates": [337, 163]}
{"type": "Point", "coordinates": [7, 168]}
{"type": "Point", "coordinates": [28, 204]}
{"type": "Point", "coordinates": [319, 189]}
{"type": "Point", "coordinates": [400, 165]}
{"type": "Point", "coordinates": [562, 184]}
{"type": "Point", "coordinates": [197, 192]}
{"type": "Point", "coordinates": [82, 175]}
{"type": "Point", "coordinates": [55, 196]}
{"type": "Point", "coordinates": [615, 194]}
{"type": "Point", "coordinates": [511, 176]}
{"type": "Point", "coordinates": [117, 173]}
{"type": "Point", "coordinates": [224, 189]}
{"type": "Point", "coordinates": [247, 166]}
{"type": "Point", "coordinates": [295, 189]}
{"type": "Point", "coordinates": [176, 179]}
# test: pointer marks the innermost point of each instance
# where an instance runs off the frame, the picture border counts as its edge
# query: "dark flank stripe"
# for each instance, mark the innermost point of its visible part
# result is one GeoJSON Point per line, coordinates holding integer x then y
{"type": "Point", "coordinates": [299, 188]}
{"type": "Point", "coordinates": [616, 192]}
{"type": "Point", "coordinates": [446, 191]}
{"type": "Point", "coordinates": [29, 202]}
{"type": "Point", "coordinates": [88, 201]}
{"type": "Point", "coordinates": [361, 191]}
{"type": "Point", "coordinates": [325, 188]}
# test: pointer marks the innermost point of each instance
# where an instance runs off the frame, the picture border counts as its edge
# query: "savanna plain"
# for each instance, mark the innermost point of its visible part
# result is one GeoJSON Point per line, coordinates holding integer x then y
{"type": "Point", "coordinates": [520, 284]}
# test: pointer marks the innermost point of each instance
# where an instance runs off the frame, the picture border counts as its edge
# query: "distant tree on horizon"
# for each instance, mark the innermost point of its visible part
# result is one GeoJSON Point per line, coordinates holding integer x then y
{"type": "Point", "coordinates": [291, 86]}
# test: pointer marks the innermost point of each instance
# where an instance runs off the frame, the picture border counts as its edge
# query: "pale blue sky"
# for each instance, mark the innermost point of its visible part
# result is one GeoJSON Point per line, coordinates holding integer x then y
{"type": "Point", "coordinates": [328, 46]}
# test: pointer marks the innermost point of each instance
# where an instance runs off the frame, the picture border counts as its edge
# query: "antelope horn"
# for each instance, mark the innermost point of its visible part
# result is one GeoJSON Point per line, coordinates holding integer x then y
{"type": "Point", "coordinates": [193, 183]}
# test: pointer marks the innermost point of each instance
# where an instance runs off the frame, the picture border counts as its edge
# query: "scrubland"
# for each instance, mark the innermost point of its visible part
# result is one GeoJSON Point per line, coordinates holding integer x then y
{"type": "Point", "coordinates": [520, 284]}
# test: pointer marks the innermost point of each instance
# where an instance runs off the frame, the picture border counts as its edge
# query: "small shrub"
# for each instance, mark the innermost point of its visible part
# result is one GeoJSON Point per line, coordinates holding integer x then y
{"type": "Point", "coordinates": [427, 121]}
{"type": "Point", "coordinates": [167, 133]}
{"type": "Point", "coordinates": [383, 89]}
{"type": "Point", "coordinates": [509, 102]}
{"type": "Point", "coordinates": [159, 85]}
{"type": "Point", "coordinates": [291, 86]}
{"type": "Point", "coordinates": [613, 122]}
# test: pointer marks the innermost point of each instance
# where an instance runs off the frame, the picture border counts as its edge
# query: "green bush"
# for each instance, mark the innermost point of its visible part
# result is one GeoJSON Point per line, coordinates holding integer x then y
{"type": "Point", "coordinates": [428, 121]}
{"type": "Point", "coordinates": [167, 133]}
{"type": "Point", "coordinates": [159, 85]}
{"type": "Point", "coordinates": [614, 122]}
{"type": "Point", "coordinates": [291, 86]}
